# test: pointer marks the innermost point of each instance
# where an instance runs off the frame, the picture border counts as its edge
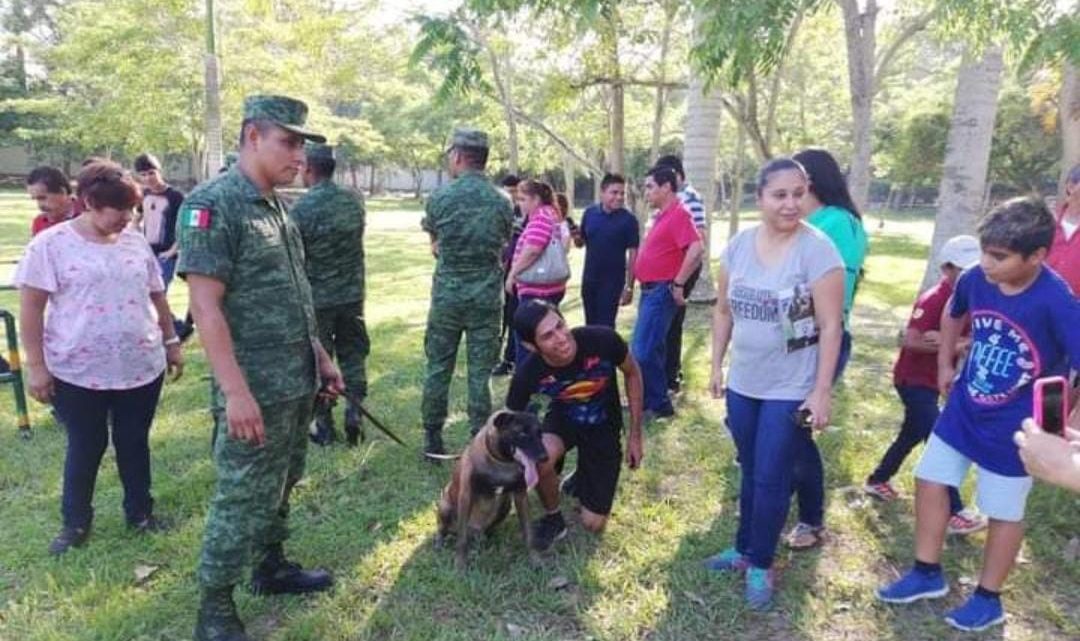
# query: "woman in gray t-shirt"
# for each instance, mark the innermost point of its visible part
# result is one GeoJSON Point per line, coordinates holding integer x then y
{"type": "Point", "coordinates": [780, 297]}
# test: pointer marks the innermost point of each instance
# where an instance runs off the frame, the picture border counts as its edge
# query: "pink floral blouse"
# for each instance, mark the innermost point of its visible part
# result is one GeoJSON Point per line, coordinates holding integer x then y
{"type": "Point", "coordinates": [101, 329]}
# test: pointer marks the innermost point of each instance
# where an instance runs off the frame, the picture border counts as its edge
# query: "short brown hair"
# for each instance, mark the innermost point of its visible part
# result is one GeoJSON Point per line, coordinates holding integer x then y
{"type": "Point", "coordinates": [103, 183]}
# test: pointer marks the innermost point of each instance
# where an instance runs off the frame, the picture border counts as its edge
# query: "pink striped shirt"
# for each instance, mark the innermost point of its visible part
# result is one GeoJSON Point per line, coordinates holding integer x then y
{"type": "Point", "coordinates": [537, 233]}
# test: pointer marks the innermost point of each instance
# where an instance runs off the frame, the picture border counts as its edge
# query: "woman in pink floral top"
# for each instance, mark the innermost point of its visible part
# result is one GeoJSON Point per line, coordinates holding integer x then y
{"type": "Point", "coordinates": [100, 353]}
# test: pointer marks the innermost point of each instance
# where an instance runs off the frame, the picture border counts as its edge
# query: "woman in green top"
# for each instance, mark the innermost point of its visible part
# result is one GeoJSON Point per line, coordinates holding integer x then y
{"type": "Point", "coordinates": [829, 207]}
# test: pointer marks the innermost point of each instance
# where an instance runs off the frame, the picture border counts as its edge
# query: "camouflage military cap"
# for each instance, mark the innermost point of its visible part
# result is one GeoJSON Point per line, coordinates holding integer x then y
{"type": "Point", "coordinates": [315, 150]}
{"type": "Point", "coordinates": [464, 137]}
{"type": "Point", "coordinates": [288, 113]}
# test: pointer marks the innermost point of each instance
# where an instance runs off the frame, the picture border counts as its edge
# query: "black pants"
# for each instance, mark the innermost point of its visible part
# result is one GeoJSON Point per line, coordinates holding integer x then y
{"type": "Point", "coordinates": [510, 305]}
{"type": "Point", "coordinates": [920, 414]}
{"type": "Point", "coordinates": [673, 364]}
{"type": "Point", "coordinates": [87, 414]}
{"type": "Point", "coordinates": [600, 298]}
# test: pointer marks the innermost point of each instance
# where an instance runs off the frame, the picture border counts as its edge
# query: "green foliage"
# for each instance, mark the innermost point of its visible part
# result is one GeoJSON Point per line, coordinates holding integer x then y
{"type": "Point", "coordinates": [1025, 152]}
{"type": "Point", "coordinates": [446, 47]}
{"type": "Point", "coordinates": [913, 150]}
{"type": "Point", "coordinates": [736, 38]}
{"type": "Point", "coordinates": [1056, 43]}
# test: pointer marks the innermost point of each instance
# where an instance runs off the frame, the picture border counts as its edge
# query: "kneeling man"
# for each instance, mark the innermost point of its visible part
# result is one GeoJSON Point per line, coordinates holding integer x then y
{"type": "Point", "coordinates": [575, 369]}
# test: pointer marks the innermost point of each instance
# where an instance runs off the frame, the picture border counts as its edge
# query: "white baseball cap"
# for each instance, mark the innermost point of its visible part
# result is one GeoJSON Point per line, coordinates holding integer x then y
{"type": "Point", "coordinates": [962, 251]}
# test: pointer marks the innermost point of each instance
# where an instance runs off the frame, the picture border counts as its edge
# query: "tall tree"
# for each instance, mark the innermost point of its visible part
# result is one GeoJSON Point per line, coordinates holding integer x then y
{"type": "Point", "coordinates": [1069, 117]}
{"type": "Point", "coordinates": [212, 86]}
{"type": "Point", "coordinates": [967, 152]}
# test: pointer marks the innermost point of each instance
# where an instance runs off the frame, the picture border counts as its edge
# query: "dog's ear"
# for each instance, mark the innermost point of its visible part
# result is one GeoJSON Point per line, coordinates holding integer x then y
{"type": "Point", "coordinates": [502, 419]}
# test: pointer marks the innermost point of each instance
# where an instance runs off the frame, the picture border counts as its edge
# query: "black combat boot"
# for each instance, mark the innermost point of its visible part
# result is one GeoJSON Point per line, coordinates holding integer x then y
{"type": "Point", "coordinates": [354, 429]}
{"type": "Point", "coordinates": [217, 619]}
{"type": "Point", "coordinates": [433, 443]}
{"type": "Point", "coordinates": [278, 575]}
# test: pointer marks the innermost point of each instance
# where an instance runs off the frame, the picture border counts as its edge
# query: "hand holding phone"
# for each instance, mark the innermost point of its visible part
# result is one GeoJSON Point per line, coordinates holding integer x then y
{"type": "Point", "coordinates": [1051, 404]}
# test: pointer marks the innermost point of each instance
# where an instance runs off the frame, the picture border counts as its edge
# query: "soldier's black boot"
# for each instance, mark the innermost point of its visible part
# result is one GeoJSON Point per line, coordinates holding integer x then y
{"type": "Point", "coordinates": [354, 429]}
{"type": "Point", "coordinates": [433, 443]}
{"type": "Point", "coordinates": [217, 619]}
{"type": "Point", "coordinates": [278, 575]}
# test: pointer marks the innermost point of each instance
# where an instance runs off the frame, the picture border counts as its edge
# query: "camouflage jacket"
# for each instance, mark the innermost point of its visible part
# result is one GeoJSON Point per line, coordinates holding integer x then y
{"type": "Point", "coordinates": [471, 221]}
{"type": "Point", "coordinates": [331, 222]}
{"type": "Point", "coordinates": [230, 232]}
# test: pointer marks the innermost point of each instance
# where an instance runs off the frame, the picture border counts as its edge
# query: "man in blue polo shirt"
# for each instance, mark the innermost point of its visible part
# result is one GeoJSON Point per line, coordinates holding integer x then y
{"type": "Point", "coordinates": [610, 235]}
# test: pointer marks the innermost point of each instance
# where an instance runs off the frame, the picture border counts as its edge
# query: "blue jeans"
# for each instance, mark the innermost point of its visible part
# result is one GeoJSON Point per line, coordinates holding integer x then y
{"type": "Point", "coordinates": [168, 270]}
{"type": "Point", "coordinates": [87, 415]}
{"type": "Point", "coordinates": [649, 345]}
{"type": "Point", "coordinates": [768, 440]}
{"type": "Point", "coordinates": [520, 351]}
{"type": "Point", "coordinates": [809, 484]}
{"type": "Point", "coordinates": [920, 414]}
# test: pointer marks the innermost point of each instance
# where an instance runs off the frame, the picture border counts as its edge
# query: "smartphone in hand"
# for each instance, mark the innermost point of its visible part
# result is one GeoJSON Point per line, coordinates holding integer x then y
{"type": "Point", "coordinates": [1051, 404]}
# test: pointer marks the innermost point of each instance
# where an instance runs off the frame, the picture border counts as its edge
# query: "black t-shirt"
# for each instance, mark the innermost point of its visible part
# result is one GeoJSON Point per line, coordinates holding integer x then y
{"type": "Point", "coordinates": [585, 392]}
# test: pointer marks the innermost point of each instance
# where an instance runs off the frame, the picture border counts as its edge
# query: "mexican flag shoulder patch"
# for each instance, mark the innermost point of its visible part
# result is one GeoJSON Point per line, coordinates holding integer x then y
{"type": "Point", "coordinates": [197, 218]}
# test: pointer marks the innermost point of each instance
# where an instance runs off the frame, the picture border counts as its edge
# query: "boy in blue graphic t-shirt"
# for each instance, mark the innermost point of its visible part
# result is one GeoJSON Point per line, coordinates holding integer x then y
{"type": "Point", "coordinates": [1025, 324]}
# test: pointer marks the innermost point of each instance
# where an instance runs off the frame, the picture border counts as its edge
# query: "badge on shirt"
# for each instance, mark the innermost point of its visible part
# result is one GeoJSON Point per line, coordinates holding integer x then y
{"type": "Point", "coordinates": [197, 218]}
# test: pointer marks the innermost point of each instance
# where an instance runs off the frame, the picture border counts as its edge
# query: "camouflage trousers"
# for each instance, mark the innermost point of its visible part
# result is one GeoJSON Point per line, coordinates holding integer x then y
{"type": "Point", "coordinates": [445, 326]}
{"type": "Point", "coordinates": [344, 336]}
{"type": "Point", "coordinates": [250, 506]}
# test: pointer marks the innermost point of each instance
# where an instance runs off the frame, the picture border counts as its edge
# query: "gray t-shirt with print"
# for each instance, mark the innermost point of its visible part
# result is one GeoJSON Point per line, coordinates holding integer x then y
{"type": "Point", "coordinates": [774, 342]}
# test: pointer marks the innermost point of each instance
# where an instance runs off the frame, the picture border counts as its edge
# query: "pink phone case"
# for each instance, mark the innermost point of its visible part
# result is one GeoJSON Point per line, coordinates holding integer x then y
{"type": "Point", "coordinates": [1038, 402]}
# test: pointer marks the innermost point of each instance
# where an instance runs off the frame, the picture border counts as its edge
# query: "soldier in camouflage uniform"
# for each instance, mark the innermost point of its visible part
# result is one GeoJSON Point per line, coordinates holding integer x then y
{"type": "Point", "coordinates": [244, 263]}
{"type": "Point", "coordinates": [331, 222]}
{"type": "Point", "coordinates": [469, 222]}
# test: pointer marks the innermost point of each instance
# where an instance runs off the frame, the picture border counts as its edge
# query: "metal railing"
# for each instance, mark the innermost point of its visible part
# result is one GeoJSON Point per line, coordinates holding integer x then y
{"type": "Point", "coordinates": [13, 376]}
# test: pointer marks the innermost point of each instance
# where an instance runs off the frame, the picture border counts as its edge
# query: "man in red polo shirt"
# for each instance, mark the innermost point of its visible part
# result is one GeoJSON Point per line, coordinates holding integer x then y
{"type": "Point", "coordinates": [667, 258]}
{"type": "Point", "coordinates": [51, 190]}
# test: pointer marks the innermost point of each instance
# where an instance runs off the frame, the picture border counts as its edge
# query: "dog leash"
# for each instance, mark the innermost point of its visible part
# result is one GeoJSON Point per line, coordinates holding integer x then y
{"type": "Point", "coordinates": [352, 398]}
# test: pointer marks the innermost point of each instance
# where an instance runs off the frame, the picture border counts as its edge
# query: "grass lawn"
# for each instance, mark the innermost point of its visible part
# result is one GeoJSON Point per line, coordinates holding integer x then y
{"type": "Point", "coordinates": [369, 514]}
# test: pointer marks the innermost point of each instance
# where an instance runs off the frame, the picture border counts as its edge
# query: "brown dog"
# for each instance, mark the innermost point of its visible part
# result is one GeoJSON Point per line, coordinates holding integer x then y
{"type": "Point", "coordinates": [500, 462]}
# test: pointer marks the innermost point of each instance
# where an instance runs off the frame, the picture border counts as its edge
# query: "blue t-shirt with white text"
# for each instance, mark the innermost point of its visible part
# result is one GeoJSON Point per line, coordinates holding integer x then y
{"type": "Point", "coordinates": [1015, 339]}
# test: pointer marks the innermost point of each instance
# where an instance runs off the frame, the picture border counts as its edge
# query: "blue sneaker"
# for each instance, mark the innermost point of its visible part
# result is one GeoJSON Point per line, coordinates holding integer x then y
{"type": "Point", "coordinates": [914, 586]}
{"type": "Point", "coordinates": [760, 585]}
{"type": "Point", "coordinates": [979, 613]}
{"type": "Point", "coordinates": [730, 560]}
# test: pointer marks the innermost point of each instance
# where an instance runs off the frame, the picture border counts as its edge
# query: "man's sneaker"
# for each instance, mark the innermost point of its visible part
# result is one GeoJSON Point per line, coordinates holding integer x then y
{"type": "Point", "coordinates": [760, 586]}
{"type": "Point", "coordinates": [883, 491]}
{"type": "Point", "coordinates": [805, 536]}
{"type": "Point", "coordinates": [980, 612]}
{"type": "Point", "coordinates": [730, 560]}
{"type": "Point", "coordinates": [547, 530]}
{"type": "Point", "coordinates": [504, 368]}
{"type": "Point", "coordinates": [914, 586]}
{"type": "Point", "coordinates": [69, 537]}
{"type": "Point", "coordinates": [966, 522]}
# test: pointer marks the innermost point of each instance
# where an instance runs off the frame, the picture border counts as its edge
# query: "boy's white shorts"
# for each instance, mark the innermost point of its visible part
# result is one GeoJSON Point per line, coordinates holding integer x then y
{"type": "Point", "coordinates": [998, 497]}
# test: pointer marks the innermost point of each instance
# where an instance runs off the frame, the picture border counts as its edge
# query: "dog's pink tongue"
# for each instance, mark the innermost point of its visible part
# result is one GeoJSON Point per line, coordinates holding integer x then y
{"type": "Point", "coordinates": [532, 477]}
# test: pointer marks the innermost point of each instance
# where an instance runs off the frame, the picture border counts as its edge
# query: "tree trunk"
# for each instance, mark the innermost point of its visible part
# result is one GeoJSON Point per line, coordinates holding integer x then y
{"type": "Point", "coordinates": [859, 33]}
{"type": "Point", "coordinates": [737, 184]}
{"type": "Point", "coordinates": [502, 85]}
{"type": "Point", "coordinates": [670, 10]}
{"type": "Point", "coordinates": [609, 41]}
{"type": "Point", "coordinates": [703, 113]}
{"type": "Point", "coordinates": [212, 77]}
{"type": "Point", "coordinates": [568, 176]}
{"type": "Point", "coordinates": [1069, 115]}
{"type": "Point", "coordinates": [967, 153]}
